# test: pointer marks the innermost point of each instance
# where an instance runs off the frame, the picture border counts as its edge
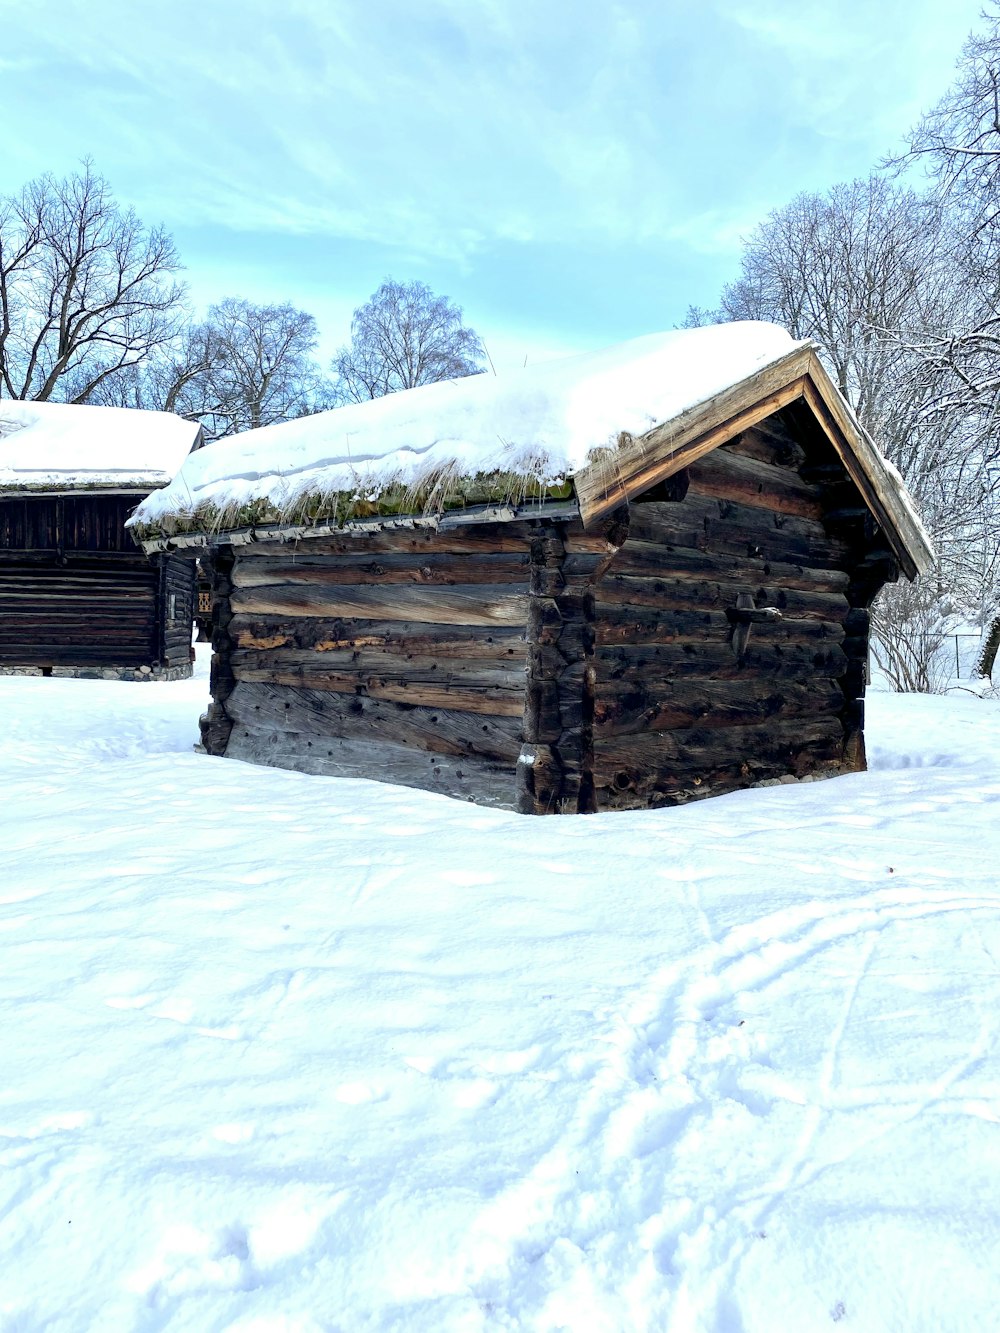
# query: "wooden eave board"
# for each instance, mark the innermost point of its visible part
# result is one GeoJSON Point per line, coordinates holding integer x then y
{"type": "Point", "coordinates": [878, 485]}
{"type": "Point", "coordinates": [619, 475]}
{"type": "Point", "coordinates": [87, 492]}
{"type": "Point", "coordinates": [364, 527]}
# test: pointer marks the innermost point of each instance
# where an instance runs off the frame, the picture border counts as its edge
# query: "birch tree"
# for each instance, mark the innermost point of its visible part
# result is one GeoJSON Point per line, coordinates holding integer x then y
{"type": "Point", "coordinates": [261, 369]}
{"type": "Point", "coordinates": [404, 336]}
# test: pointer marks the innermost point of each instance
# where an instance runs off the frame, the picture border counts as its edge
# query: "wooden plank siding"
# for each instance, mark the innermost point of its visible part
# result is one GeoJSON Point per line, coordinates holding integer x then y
{"type": "Point", "coordinates": [176, 611]}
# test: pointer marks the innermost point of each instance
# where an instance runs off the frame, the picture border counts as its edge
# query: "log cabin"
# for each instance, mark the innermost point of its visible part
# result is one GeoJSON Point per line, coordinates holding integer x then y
{"type": "Point", "coordinates": [627, 580]}
{"type": "Point", "coordinates": [77, 598]}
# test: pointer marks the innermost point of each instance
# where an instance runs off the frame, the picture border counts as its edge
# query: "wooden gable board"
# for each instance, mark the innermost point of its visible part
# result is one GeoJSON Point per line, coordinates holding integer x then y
{"type": "Point", "coordinates": [618, 475]}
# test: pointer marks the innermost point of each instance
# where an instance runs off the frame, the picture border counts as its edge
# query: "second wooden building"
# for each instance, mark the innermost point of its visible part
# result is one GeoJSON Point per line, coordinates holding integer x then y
{"type": "Point", "coordinates": [76, 596]}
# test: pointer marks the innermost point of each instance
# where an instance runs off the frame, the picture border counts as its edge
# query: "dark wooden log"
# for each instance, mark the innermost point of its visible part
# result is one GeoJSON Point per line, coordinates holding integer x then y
{"type": "Point", "coordinates": [824, 759]}
{"type": "Point", "coordinates": [326, 715]}
{"type": "Point", "coordinates": [726, 475]}
{"type": "Point", "coordinates": [431, 569]}
{"type": "Point", "coordinates": [216, 727]}
{"type": "Point", "coordinates": [645, 559]}
{"type": "Point", "coordinates": [493, 692]}
{"type": "Point", "coordinates": [682, 594]}
{"type": "Point", "coordinates": [682, 760]}
{"type": "Point", "coordinates": [634, 705]}
{"type": "Point", "coordinates": [539, 780]}
{"type": "Point", "coordinates": [482, 604]}
{"type": "Point", "coordinates": [363, 663]}
{"type": "Point", "coordinates": [768, 660]}
{"type": "Point", "coordinates": [476, 538]}
{"type": "Point", "coordinates": [395, 638]}
{"type": "Point", "coordinates": [216, 723]}
{"type": "Point", "coordinates": [770, 441]}
{"type": "Point", "coordinates": [724, 527]}
{"type": "Point", "coordinates": [474, 778]}
{"type": "Point", "coordinates": [855, 647]}
{"type": "Point", "coordinates": [621, 623]}
{"type": "Point", "coordinates": [554, 771]}
{"type": "Point", "coordinates": [673, 489]}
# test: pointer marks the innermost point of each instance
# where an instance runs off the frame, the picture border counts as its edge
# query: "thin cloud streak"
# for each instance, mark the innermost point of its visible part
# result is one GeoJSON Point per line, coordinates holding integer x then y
{"type": "Point", "coordinates": [459, 136]}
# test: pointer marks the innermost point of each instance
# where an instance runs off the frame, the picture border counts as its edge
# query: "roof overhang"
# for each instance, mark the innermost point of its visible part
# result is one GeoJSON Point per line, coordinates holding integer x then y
{"type": "Point", "coordinates": [360, 527]}
{"type": "Point", "coordinates": [617, 475]}
{"type": "Point", "coordinates": [8, 492]}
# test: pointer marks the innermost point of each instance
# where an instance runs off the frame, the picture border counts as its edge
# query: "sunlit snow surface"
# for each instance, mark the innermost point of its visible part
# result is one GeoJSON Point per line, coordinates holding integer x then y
{"type": "Point", "coordinates": [292, 1053]}
{"type": "Point", "coordinates": [67, 445]}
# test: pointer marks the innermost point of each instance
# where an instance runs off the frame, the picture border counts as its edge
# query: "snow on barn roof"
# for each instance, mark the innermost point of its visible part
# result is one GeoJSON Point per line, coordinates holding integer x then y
{"type": "Point", "coordinates": [539, 424]}
{"type": "Point", "coordinates": [592, 430]}
{"type": "Point", "coordinates": [66, 446]}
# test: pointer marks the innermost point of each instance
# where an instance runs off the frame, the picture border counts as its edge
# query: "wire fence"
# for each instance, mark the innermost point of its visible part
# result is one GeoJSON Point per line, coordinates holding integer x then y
{"type": "Point", "coordinates": [966, 653]}
{"type": "Point", "coordinates": [958, 651]}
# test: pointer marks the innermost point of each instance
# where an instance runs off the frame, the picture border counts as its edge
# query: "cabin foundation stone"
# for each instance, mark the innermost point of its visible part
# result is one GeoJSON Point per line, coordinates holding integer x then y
{"type": "Point", "coordinates": [102, 673]}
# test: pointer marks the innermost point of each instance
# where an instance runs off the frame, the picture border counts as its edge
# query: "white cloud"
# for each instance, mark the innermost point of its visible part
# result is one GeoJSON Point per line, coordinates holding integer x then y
{"type": "Point", "coordinates": [447, 130]}
{"type": "Point", "coordinates": [440, 129]}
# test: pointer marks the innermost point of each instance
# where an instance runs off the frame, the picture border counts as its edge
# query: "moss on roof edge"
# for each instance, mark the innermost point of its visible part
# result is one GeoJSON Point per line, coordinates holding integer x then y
{"type": "Point", "coordinates": [440, 495]}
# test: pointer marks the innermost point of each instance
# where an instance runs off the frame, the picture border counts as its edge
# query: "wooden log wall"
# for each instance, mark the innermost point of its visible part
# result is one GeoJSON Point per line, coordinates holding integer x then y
{"type": "Point", "coordinates": [75, 591]}
{"type": "Point", "coordinates": [555, 771]}
{"type": "Point", "coordinates": [85, 612]}
{"type": "Point", "coordinates": [688, 704]}
{"type": "Point", "coordinates": [69, 523]}
{"type": "Point", "coordinates": [398, 656]}
{"type": "Point", "coordinates": [537, 665]}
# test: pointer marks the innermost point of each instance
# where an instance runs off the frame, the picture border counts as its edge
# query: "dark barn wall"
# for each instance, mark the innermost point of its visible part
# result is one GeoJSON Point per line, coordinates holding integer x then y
{"type": "Point", "coordinates": [75, 591]}
{"type": "Point", "coordinates": [399, 656]}
{"type": "Point", "coordinates": [689, 703]}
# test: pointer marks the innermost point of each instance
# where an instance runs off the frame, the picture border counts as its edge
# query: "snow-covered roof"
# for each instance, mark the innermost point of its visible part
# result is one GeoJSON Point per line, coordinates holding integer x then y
{"type": "Point", "coordinates": [593, 430]}
{"type": "Point", "coordinates": [64, 446]}
{"type": "Point", "coordinates": [540, 423]}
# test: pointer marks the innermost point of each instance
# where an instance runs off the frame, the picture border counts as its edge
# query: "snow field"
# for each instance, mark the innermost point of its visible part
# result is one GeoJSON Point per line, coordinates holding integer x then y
{"type": "Point", "coordinates": [294, 1053]}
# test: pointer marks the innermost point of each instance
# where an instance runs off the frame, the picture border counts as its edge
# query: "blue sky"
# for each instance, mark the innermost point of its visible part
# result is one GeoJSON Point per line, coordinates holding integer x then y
{"type": "Point", "coordinates": [571, 173]}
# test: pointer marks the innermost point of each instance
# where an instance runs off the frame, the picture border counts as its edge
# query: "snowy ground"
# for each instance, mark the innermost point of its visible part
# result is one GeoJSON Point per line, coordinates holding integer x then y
{"type": "Point", "coordinates": [290, 1053]}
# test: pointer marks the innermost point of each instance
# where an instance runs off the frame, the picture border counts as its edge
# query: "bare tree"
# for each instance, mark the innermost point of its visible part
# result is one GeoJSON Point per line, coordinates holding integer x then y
{"type": "Point", "coordinates": [242, 367]}
{"type": "Point", "coordinates": [867, 270]}
{"type": "Point", "coordinates": [958, 140]}
{"type": "Point", "coordinates": [850, 268]}
{"type": "Point", "coordinates": [402, 337]}
{"type": "Point", "coordinates": [173, 378]}
{"type": "Point", "coordinates": [958, 143]}
{"type": "Point", "coordinates": [86, 290]}
{"type": "Point", "coordinates": [261, 369]}
{"type": "Point", "coordinates": [698, 317]}
{"type": "Point", "coordinates": [910, 630]}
